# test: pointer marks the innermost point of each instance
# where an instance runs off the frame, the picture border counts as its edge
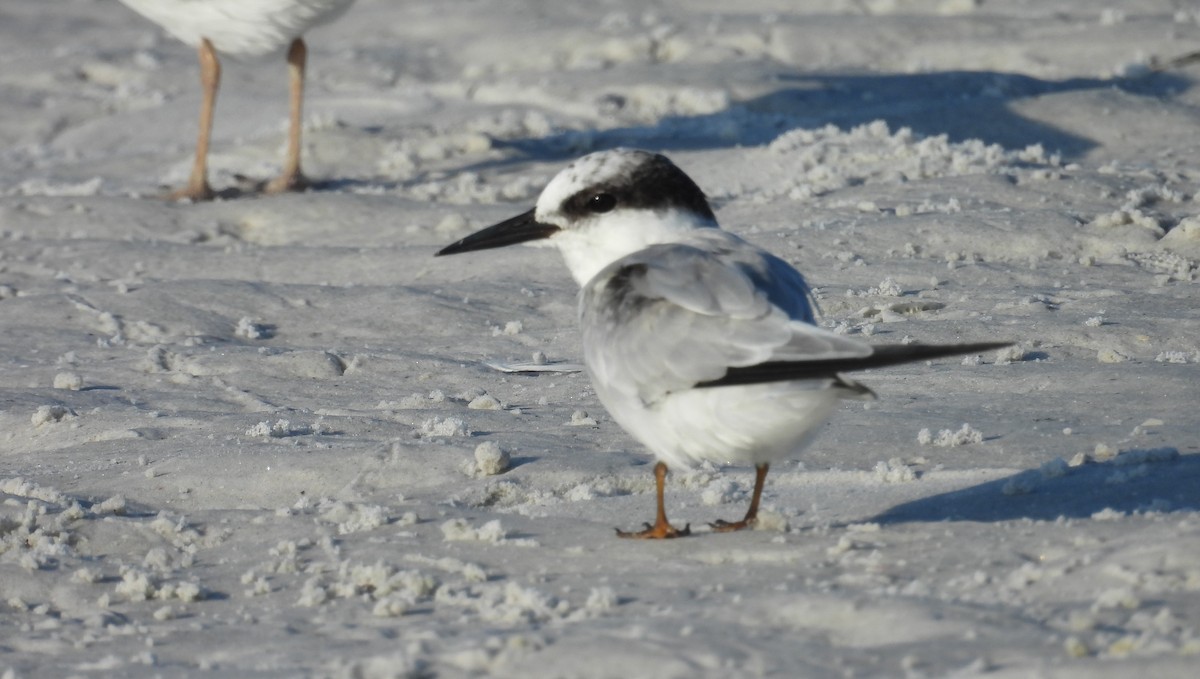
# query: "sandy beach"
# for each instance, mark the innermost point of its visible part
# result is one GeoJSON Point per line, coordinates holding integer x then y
{"type": "Point", "coordinates": [268, 436]}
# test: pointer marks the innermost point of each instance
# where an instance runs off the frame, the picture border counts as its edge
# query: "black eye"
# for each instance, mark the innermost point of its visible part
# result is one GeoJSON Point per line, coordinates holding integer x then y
{"type": "Point", "coordinates": [602, 202]}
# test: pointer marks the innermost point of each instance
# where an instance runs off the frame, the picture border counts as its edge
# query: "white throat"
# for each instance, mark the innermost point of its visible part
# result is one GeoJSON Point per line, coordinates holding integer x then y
{"type": "Point", "coordinates": [589, 247]}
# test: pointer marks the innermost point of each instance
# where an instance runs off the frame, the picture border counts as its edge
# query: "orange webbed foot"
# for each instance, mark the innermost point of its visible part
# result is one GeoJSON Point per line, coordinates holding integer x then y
{"type": "Point", "coordinates": [286, 183]}
{"type": "Point", "coordinates": [194, 192]}
{"type": "Point", "coordinates": [662, 531]}
{"type": "Point", "coordinates": [731, 526]}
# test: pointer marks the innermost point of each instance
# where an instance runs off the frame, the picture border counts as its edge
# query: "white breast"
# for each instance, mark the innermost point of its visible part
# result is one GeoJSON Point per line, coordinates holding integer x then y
{"type": "Point", "coordinates": [239, 27]}
{"type": "Point", "coordinates": [728, 425]}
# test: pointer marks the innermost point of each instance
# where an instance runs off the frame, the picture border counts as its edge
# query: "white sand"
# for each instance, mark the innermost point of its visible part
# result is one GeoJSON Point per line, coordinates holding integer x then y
{"type": "Point", "coordinates": [242, 438]}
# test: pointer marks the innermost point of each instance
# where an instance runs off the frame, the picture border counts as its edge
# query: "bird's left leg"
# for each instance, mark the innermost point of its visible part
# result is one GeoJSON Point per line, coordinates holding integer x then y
{"type": "Point", "coordinates": [760, 477]}
{"type": "Point", "coordinates": [292, 179]}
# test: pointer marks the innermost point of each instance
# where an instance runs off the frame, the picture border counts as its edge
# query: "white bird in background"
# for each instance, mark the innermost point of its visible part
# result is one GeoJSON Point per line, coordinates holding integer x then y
{"type": "Point", "coordinates": [699, 343]}
{"type": "Point", "coordinates": [243, 28]}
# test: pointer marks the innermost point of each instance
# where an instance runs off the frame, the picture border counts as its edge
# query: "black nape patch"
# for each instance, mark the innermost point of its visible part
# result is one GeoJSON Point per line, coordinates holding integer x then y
{"type": "Point", "coordinates": [655, 184]}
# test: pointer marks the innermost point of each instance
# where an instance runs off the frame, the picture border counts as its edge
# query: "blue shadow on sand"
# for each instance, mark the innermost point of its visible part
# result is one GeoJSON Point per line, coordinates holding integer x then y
{"type": "Point", "coordinates": [960, 104]}
{"type": "Point", "coordinates": [1168, 485]}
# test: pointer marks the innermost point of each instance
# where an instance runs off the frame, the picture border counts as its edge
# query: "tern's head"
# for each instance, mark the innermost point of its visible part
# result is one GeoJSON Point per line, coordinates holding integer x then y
{"type": "Point", "coordinates": [602, 207]}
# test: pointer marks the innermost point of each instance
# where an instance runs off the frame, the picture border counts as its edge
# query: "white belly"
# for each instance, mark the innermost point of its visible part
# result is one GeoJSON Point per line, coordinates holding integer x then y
{"type": "Point", "coordinates": [744, 425]}
{"type": "Point", "coordinates": [239, 27]}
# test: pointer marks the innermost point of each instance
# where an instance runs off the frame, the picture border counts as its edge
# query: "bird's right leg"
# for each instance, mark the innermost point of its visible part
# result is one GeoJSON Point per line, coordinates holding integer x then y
{"type": "Point", "coordinates": [210, 79]}
{"type": "Point", "coordinates": [662, 529]}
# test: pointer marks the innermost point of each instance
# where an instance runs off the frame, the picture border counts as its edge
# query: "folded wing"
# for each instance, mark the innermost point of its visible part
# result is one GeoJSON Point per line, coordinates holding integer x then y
{"type": "Point", "coordinates": [673, 317]}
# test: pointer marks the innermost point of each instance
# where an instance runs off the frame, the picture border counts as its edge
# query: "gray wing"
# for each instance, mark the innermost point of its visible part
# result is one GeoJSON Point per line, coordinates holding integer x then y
{"type": "Point", "coordinates": [672, 316]}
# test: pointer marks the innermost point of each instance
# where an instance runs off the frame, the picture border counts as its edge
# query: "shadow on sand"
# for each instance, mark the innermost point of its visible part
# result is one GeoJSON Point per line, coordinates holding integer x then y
{"type": "Point", "coordinates": [960, 104]}
{"type": "Point", "coordinates": [1137, 480]}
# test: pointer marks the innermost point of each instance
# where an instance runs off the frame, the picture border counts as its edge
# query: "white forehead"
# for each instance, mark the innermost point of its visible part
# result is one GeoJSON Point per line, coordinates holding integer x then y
{"type": "Point", "coordinates": [601, 167]}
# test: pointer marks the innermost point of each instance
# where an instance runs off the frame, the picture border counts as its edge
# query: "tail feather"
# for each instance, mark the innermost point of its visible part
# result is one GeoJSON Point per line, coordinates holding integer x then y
{"type": "Point", "coordinates": [883, 356]}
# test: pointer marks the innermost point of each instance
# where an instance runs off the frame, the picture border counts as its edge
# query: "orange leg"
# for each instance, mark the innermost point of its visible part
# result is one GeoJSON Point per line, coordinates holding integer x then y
{"type": "Point", "coordinates": [760, 477]}
{"type": "Point", "coordinates": [292, 179]}
{"type": "Point", "coordinates": [662, 528]}
{"type": "Point", "coordinates": [210, 79]}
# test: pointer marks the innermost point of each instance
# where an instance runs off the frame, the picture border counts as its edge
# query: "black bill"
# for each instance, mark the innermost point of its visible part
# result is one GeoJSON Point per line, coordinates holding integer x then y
{"type": "Point", "coordinates": [518, 229]}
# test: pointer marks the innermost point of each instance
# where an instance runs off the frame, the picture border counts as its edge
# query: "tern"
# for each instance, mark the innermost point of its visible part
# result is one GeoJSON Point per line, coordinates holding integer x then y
{"type": "Point", "coordinates": [242, 28]}
{"type": "Point", "coordinates": [701, 345]}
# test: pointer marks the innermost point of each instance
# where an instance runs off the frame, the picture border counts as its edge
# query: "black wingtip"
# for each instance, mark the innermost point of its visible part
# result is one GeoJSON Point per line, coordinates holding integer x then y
{"type": "Point", "coordinates": [894, 354]}
{"type": "Point", "coordinates": [882, 356]}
